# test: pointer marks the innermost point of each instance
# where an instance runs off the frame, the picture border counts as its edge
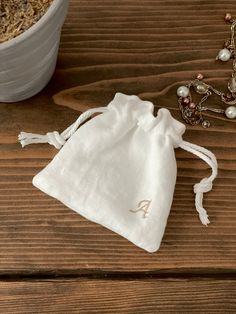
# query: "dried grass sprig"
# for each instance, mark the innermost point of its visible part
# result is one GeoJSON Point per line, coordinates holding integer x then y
{"type": "Point", "coordinates": [16, 16]}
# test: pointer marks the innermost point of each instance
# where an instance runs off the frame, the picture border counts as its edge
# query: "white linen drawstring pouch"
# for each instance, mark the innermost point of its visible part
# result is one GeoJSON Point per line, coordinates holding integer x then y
{"type": "Point", "coordinates": [119, 169]}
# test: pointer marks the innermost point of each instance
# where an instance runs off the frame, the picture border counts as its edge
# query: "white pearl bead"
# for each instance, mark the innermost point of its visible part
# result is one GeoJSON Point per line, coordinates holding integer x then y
{"type": "Point", "coordinates": [230, 112]}
{"type": "Point", "coordinates": [224, 54]}
{"type": "Point", "coordinates": [183, 91]}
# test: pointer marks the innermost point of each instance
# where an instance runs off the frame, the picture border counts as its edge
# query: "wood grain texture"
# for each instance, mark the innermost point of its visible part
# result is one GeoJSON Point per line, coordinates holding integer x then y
{"type": "Point", "coordinates": [118, 296]}
{"type": "Point", "coordinates": [146, 48]}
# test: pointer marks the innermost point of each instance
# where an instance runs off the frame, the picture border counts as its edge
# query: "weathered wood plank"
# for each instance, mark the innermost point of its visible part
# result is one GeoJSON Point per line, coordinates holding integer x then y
{"type": "Point", "coordinates": [118, 296]}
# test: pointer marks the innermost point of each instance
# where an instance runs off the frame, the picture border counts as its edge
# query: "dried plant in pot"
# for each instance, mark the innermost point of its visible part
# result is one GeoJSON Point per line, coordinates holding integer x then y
{"type": "Point", "coordinates": [27, 61]}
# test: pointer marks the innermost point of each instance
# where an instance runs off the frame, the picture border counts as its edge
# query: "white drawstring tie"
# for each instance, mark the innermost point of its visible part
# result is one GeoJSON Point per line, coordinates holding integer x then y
{"type": "Point", "coordinates": [54, 138]}
{"type": "Point", "coordinates": [205, 185]}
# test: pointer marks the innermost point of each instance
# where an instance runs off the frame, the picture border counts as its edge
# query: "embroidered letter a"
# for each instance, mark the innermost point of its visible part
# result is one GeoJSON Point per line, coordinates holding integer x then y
{"type": "Point", "coordinates": [143, 206]}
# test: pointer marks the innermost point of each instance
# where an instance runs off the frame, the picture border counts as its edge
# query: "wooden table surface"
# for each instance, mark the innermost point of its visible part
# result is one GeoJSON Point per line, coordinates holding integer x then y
{"type": "Point", "coordinates": [54, 261]}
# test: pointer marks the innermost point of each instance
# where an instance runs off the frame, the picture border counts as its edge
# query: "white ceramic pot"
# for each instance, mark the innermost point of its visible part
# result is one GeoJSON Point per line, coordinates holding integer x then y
{"type": "Point", "coordinates": [28, 61]}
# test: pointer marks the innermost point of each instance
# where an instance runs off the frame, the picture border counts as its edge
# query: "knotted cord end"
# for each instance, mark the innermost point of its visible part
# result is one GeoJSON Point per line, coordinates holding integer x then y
{"type": "Point", "coordinates": [29, 138]}
{"type": "Point", "coordinates": [53, 138]}
{"type": "Point", "coordinates": [204, 218]}
{"type": "Point", "coordinates": [204, 186]}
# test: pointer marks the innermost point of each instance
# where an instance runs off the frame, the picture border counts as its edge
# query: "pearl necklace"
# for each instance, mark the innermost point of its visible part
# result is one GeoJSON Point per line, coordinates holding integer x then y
{"type": "Point", "coordinates": [192, 112]}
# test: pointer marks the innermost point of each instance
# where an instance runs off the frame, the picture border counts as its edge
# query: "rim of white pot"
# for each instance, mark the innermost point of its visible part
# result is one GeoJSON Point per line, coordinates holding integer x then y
{"type": "Point", "coordinates": [30, 31]}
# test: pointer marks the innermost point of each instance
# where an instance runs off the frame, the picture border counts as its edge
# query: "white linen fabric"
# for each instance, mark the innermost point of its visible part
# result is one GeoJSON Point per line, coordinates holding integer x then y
{"type": "Point", "coordinates": [119, 168]}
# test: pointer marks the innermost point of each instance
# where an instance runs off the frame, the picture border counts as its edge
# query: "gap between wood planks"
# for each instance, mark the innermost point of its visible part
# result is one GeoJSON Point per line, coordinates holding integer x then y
{"type": "Point", "coordinates": [190, 274]}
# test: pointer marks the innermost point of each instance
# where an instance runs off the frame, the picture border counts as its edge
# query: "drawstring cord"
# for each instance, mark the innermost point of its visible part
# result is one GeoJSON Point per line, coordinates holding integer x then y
{"type": "Point", "coordinates": [54, 138]}
{"type": "Point", "coordinates": [205, 185]}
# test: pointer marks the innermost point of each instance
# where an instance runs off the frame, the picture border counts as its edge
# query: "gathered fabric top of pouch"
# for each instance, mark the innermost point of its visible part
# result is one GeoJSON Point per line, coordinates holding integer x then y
{"type": "Point", "coordinates": [133, 107]}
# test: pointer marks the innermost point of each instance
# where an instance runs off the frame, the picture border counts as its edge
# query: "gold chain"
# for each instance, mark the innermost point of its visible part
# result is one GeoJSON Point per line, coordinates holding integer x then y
{"type": "Point", "coordinates": [191, 112]}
